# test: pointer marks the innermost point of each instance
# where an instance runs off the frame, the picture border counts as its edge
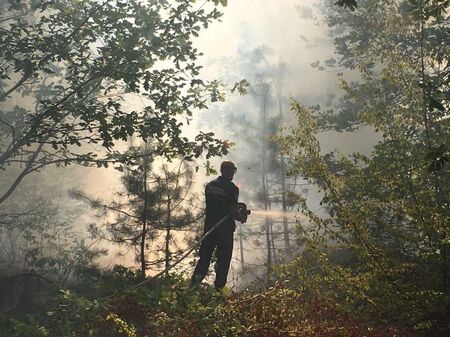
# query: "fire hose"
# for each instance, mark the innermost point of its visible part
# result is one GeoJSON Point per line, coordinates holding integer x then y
{"type": "Point", "coordinates": [243, 212]}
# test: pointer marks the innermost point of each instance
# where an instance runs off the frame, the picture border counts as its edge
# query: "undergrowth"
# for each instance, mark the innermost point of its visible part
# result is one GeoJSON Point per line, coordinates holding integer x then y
{"type": "Point", "coordinates": [168, 307]}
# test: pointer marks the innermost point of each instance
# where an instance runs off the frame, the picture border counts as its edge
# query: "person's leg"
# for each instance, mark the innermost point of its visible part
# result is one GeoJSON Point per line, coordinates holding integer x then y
{"type": "Point", "coordinates": [224, 253]}
{"type": "Point", "coordinates": [205, 253]}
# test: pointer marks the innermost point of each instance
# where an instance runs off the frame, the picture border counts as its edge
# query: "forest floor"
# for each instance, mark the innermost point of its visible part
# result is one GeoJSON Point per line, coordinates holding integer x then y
{"type": "Point", "coordinates": [168, 308]}
{"type": "Point", "coordinates": [275, 312]}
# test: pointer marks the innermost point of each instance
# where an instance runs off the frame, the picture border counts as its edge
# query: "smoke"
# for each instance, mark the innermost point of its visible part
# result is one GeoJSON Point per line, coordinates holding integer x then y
{"type": "Point", "coordinates": [281, 45]}
{"type": "Point", "coordinates": [274, 42]}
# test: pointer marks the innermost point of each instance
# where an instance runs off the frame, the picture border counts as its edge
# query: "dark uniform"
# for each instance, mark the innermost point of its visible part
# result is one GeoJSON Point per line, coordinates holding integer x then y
{"type": "Point", "coordinates": [220, 195]}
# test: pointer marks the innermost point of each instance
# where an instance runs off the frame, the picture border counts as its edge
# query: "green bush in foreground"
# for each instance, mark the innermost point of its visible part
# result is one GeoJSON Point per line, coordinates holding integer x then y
{"type": "Point", "coordinates": [168, 307]}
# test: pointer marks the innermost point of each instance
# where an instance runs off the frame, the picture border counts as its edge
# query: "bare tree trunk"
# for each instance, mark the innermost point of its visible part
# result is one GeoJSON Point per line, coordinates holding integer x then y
{"type": "Point", "coordinates": [167, 245]}
{"type": "Point", "coordinates": [144, 226]}
{"type": "Point", "coordinates": [264, 93]}
{"type": "Point", "coordinates": [287, 244]}
{"type": "Point", "coordinates": [241, 246]}
{"type": "Point", "coordinates": [272, 242]}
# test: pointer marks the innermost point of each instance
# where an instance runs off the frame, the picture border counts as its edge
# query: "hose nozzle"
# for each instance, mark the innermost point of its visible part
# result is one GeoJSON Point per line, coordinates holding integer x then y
{"type": "Point", "coordinates": [243, 212]}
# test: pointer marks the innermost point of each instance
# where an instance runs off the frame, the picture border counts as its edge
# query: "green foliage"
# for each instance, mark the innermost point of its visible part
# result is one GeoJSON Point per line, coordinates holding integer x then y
{"type": "Point", "coordinates": [37, 231]}
{"type": "Point", "coordinates": [155, 201]}
{"type": "Point", "coordinates": [347, 3]}
{"type": "Point", "coordinates": [241, 87]}
{"type": "Point", "coordinates": [169, 308]}
{"type": "Point", "coordinates": [382, 246]}
{"type": "Point", "coordinates": [222, 2]}
{"type": "Point", "coordinates": [76, 64]}
{"type": "Point", "coordinates": [14, 328]}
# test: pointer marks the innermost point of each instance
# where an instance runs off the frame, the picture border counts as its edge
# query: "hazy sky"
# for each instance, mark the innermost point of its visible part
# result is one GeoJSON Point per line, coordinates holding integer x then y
{"type": "Point", "coordinates": [285, 35]}
{"type": "Point", "coordinates": [294, 40]}
{"type": "Point", "coordinates": [248, 24]}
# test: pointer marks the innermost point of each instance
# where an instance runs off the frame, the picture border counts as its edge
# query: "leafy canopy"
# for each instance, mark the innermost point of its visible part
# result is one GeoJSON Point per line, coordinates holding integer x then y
{"type": "Point", "coordinates": [382, 245]}
{"type": "Point", "coordinates": [78, 77]}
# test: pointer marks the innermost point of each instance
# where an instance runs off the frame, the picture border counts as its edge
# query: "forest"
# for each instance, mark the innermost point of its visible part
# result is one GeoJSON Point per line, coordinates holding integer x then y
{"type": "Point", "coordinates": [115, 114]}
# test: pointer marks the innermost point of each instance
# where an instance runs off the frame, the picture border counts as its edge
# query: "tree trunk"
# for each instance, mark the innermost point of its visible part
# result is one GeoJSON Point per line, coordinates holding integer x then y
{"type": "Point", "coordinates": [144, 226]}
{"type": "Point", "coordinates": [287, 244]}
{"type": "Point", "coordinates": [264, 175]}
{"type": "Point", "coordinates": [167, 246]}
{"type": "Point", "coordinates": [241, 246]}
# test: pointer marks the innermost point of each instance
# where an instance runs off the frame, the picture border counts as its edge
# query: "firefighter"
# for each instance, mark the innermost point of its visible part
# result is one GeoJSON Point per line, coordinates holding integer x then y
{"type": "Point", "coordinates": [221, 200]}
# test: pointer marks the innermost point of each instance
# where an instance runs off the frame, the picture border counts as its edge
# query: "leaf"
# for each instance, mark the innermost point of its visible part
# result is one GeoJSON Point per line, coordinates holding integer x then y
{"type": "Point", "coordinates": [347, 3]}
{"type": "Point", "coordinates": [435, 104]}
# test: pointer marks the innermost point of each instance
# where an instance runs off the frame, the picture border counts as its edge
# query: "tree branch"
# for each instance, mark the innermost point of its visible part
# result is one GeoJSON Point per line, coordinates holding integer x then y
{"type": "Point", "coordinates": [13, 131]}
{"type": "Point", "coordinates": [27, 170]}
{"type": "Point", "coordinates": [26, 76]}
{"type": "Point", "coordinates": [98, 204]}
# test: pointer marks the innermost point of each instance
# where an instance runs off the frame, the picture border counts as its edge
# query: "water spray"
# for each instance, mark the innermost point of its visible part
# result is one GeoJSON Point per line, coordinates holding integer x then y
{"type": "Point", "coordinates": [275, 213]}
{"type": "Point", "coordinates": [243, 214]}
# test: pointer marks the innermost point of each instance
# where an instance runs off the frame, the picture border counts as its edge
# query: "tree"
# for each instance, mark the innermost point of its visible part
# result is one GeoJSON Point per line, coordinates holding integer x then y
{"type": "Point", "coordinates": [383, 246]}
{"type": "Point", "coordinates": [435, 7]}
{"type": "Point", "coordinates": [77, 63]}
{"type": "Point", "coordinates": [40, 233]}
{"type": "Point", "coordinates": [254, 119]}
{"type": "Point", "coordinates": [155, 203]}
{"type": "Point", "coordinates": [179, 209]}
{"type": "Point", "coordinates": [275, 189]}
{"type": "Point", "coordinates": [263, 90]}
